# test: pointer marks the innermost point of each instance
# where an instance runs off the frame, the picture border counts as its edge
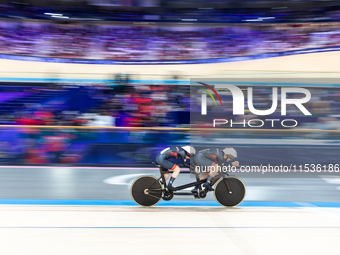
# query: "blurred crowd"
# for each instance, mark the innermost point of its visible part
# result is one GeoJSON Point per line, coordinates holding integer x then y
{"type": "Point", "coordinates": [137, 106]}
{"type": "Point", "coordinates": [94, 105]}
{"type": "Point", "coordinates": [99, 105]}
{"type": "Point", "coordinates": [156, 43]}
{"type": "Point", "coordinates": [126, 105]}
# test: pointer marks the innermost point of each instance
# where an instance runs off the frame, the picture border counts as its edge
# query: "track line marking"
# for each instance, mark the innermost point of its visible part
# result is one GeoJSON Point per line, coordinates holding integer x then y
{"type": "Point", "coordinates": [275, 227]}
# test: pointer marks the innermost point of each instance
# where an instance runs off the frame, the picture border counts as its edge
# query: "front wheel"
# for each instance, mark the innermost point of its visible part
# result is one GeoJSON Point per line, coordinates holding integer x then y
{"type": "Point", "coordinates": [146, 191]}
{"type": "Point", "coordinates": [229, 191]}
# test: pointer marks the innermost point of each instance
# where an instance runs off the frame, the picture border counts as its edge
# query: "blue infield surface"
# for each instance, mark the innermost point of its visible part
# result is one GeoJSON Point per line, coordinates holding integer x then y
{"type": "Point", "coordinates": [164, 203]}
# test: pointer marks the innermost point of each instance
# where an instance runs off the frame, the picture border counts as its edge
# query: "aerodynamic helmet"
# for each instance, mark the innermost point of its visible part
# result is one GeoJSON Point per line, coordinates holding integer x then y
{"type": "Point", "coordinates": [189, 149]}
{"type": "Point", "coordinates": [230, 152]}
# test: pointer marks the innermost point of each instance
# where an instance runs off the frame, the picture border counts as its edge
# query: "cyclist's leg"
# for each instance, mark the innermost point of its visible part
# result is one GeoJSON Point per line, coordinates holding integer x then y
{"type": "Point", "coordinates": [166, 165]}
{"type": "Point", "coordinates": [213, 170]}
{"type": "Point", "coordinates": [176, 170]}
{"type": "Point", "coordinates": [204, 164]}
{"type": "Point", "coordinates": [212, 174]}
{"type": "Point", "coordinates": [166, 176]}
{"type": "Point", "coordinates": [204, 176]}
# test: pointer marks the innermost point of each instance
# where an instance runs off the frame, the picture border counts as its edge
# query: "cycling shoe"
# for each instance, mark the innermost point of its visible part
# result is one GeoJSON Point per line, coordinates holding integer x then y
{"type": "Point", "coordinates": [208, 186]}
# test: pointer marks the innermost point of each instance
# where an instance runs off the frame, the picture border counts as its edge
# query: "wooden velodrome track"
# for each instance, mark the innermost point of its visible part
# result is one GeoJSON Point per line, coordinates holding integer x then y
{"type": "Point", "coordinates": [45, 230]}
{"type": "Point", "coordinates": [50, 229]}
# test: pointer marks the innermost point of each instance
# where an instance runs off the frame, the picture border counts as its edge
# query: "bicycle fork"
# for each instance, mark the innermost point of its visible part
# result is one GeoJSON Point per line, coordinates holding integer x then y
{"type": "Point", "coordinates": [228, 186]}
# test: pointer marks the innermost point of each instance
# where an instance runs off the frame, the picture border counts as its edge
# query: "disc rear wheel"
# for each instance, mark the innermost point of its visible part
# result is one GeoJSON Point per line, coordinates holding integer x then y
{"type": "Point", "coordinates": [146, 191]}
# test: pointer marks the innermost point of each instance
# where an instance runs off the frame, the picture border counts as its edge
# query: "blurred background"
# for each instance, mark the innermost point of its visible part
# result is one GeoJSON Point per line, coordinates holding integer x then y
{"type": "Point", "coordinates": [107, 82]}
{"type": "Point", "coordinates": [92, 90]}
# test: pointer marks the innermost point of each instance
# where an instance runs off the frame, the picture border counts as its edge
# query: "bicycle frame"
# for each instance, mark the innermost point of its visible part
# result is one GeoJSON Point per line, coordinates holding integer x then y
{"type": "Point", "coordinates": [197, 183]}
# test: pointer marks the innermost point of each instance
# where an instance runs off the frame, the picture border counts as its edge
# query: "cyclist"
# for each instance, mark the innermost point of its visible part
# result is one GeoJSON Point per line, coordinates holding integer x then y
{"type": "Point", "coordinates": [211, 159]}
{"type": "Point", "coordinates": [162, 159]}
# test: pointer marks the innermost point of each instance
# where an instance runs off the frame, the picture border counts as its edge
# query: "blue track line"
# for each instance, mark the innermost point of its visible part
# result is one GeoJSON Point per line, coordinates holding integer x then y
{"type": "Point", "coordinates": [271, 227]}
{"type": "Point", "coordinates": [164, 203]}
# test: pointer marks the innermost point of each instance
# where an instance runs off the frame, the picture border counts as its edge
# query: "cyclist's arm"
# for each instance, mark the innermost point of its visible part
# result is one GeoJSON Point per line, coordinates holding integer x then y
{"type": "Point", "coordinates": [231, 163]}
{"type": "Point", "coordinates": [235, 163]}
{"type": "Point", "coordinates": [182, 155]}
{"type": "Point", "coordinates": [220, 161]}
